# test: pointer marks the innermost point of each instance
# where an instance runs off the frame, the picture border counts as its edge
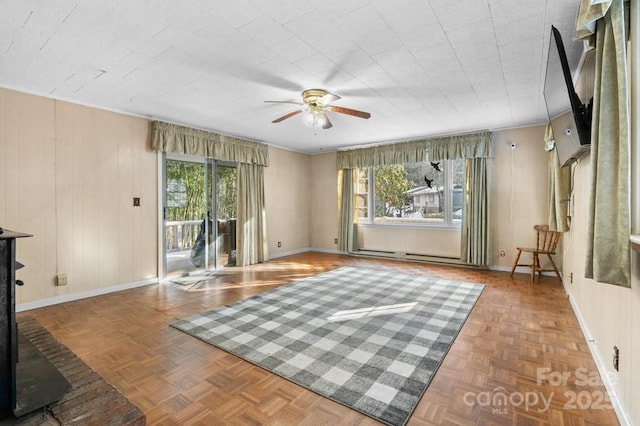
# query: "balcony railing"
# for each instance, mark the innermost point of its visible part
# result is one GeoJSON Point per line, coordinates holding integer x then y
{"type": "Point", "coordinates": [181, 234]}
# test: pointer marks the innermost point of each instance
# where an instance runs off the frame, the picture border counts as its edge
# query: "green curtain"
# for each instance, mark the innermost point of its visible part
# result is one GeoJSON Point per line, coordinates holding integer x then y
{"type": "Point", "coordinates": [442, 148]}
{"type": "Point", "coordinates": [559, 189]}
{"type": "Point", "coordinates": [476, 244]}
{"type": "Point", "coordinates": [347, 228]}
{"type": "Point", "coordinates": [168, 137]}
{"type": "Point", "coordinates": [608, 228]}
{"type": "Point", "coordinates": [251, 225]}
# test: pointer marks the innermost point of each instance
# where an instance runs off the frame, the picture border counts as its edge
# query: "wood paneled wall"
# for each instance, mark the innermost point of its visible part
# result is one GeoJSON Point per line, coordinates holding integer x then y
{"type": "Point", "coordinates": [68, 175]}
{"type": "Point", "coordinates": [609, 314]}
{"type": "Point", "coordinates": [287, 200]}
{"type": "Point", "coordinates": [324, 201]}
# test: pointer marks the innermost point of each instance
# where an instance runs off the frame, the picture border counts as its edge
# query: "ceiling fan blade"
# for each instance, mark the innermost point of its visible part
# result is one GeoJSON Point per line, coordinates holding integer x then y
{"type": "Point", "coordinates": [327, 123]}
{"type": "Point", "coordinates": [285, 102]}
{"type": "Point", "coordinates": [284, 117]}
{"type": "Point", "coordinates": [328, 98]}
{"type": "Point", "coordinates": [348, 111]}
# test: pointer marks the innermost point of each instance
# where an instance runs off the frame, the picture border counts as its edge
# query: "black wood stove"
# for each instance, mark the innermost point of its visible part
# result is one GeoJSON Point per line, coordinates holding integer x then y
{"type": "Point", "coordinates": [28, 381]}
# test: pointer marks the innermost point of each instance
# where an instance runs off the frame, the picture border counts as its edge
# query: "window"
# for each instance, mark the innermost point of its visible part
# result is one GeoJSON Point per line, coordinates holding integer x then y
{"type": "Point", "coordinates": [412, 193]}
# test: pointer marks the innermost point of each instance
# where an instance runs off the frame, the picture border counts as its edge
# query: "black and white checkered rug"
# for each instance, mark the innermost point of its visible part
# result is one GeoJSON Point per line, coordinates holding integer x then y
{"type": "Point", "coordinates": [369, 339]}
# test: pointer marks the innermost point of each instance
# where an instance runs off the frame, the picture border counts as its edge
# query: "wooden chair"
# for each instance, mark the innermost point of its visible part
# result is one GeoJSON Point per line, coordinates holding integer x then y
{"type": "Point", "coordinates": [546, 243]}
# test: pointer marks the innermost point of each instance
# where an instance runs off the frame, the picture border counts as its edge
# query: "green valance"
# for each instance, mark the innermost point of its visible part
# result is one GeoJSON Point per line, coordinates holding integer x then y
{"type": "Point", "coordinates": [395, 153]}
{"type": "Point", "coordinates": [168, 137]}
{"type": "Point", "coordinates": [475, 145]}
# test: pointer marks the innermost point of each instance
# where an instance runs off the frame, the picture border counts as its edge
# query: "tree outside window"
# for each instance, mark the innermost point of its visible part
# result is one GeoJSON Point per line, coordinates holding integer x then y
{"type": "Point", "coordinates": [391, 184]}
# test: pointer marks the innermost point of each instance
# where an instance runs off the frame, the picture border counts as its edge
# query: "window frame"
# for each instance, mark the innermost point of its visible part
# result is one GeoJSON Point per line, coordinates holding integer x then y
{"type": "Point", "coordinates": [447, 223]}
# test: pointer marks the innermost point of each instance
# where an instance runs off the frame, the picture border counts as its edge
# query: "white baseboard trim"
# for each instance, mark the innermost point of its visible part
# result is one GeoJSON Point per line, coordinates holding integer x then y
{"type": "Point", "coordinates": [519, 270]}
{"type": "Point", "coordinates": [330, 251]}
{"type": "Point", "coordinates": [304, 250]}
{"type": "Point", "coordinates": [289, 253]}
{"type": "Point", "coordinates": [606, 380]}
{"type": "Point", "coordinates": [83, 295]}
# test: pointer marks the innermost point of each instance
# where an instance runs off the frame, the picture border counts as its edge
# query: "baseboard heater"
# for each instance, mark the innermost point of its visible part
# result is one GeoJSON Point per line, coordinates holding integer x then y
{"type": "Point", "coordinates": [410, 256]}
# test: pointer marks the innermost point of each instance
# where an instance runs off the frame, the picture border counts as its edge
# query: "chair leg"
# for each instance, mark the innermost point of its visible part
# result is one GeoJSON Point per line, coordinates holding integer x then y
{"type": "Point", "coordinates": [555, 268]}
{"type": "Point", "coordinates": [540, 270]}
{"type": "Point", "coordinates": [534, 265]}
{"type": "Point", "coordinates": [516, 262]}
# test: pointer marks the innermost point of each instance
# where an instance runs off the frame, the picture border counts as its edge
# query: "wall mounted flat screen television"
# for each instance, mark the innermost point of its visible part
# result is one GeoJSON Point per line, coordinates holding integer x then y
{"type": "Point", "coordinates": [570, 118]}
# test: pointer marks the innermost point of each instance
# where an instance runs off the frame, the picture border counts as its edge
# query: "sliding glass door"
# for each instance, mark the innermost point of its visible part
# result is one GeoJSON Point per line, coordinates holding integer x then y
{"type": "Point", "coordinates": [199, 215]}
{"type": "Point", "coordinates": [225, 185]}
{"type": "Point", "coordinates": [187, 204]}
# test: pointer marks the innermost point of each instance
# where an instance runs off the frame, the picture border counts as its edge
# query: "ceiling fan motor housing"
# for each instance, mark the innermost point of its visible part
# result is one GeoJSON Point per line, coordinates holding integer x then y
{"type": "Point", "coordinates": [312, 96]}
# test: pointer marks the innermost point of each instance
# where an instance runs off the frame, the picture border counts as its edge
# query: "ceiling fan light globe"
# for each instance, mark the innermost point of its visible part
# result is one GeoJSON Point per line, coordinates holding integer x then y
{"type": "Point", "coordinates": [309, 118]}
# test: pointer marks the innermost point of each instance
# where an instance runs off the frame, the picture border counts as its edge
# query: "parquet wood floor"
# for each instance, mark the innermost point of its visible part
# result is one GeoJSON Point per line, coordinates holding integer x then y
{"type": "Point", "coordinates": [490, 376]}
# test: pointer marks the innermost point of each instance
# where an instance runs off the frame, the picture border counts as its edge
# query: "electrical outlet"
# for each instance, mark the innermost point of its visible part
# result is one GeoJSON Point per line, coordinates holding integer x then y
{"type": "Point", "coordinates": [136, 201]}
{"type": "Point", "coordinates": [570, 277]}
{"type": "Point", "coordinates": [502, 253]}
{"type": "Point", "coordinates": [61, 279]}
{"type": "Point", "coordinates": [279, 244]}
{"type": "Point", "coordinates": [335, 241]}
{"type": "Point", "coordinates": [616, 358]}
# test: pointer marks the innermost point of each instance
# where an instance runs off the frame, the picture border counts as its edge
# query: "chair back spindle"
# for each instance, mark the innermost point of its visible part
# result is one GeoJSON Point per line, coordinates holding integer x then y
{"type": "Point", "coordinates": [546, 239]}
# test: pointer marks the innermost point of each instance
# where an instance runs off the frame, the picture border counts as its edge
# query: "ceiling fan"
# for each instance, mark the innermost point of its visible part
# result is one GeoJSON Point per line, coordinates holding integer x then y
{"type": "Point", "coordinates": [315, 104]}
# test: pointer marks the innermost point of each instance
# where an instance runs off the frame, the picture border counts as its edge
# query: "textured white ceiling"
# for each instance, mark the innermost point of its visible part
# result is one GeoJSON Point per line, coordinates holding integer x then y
{"type": "Point", "coordinates": [421, 68]}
